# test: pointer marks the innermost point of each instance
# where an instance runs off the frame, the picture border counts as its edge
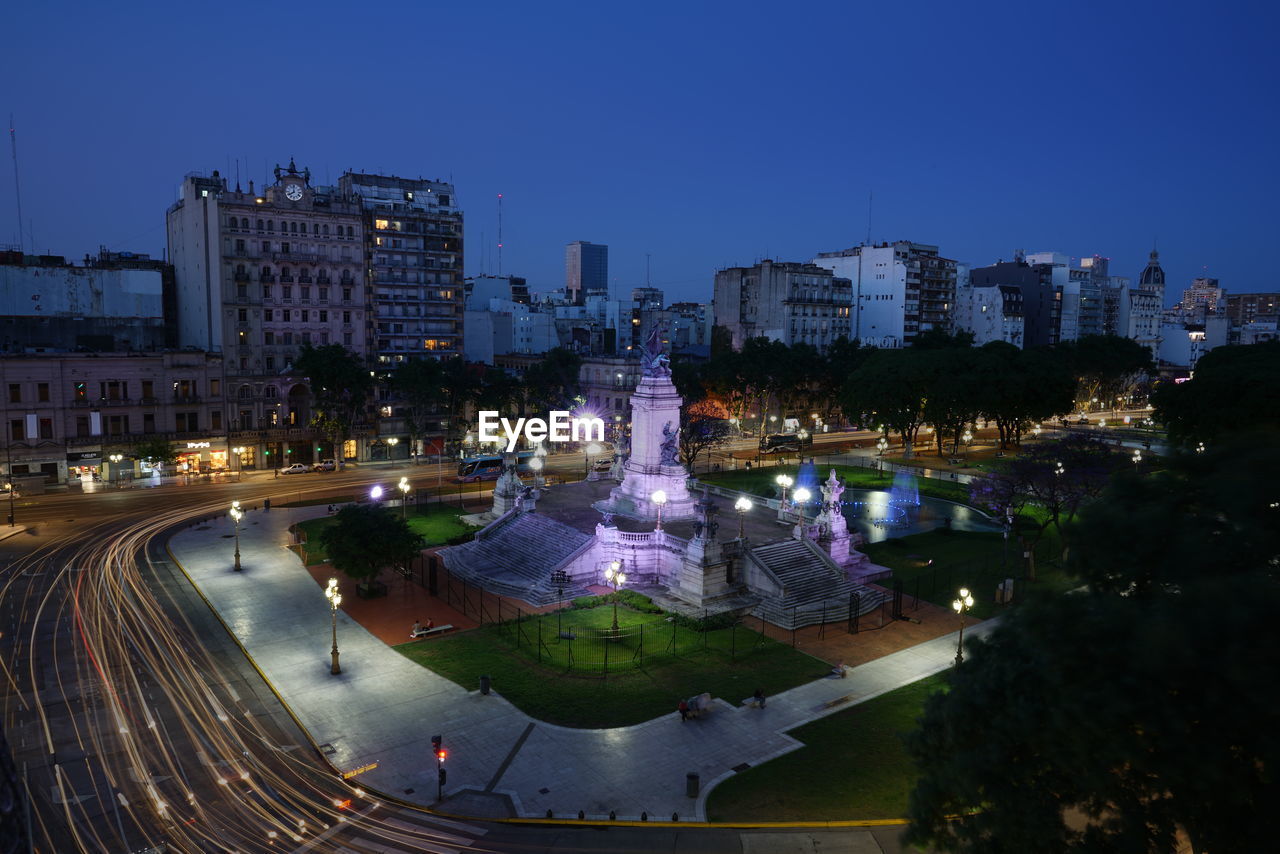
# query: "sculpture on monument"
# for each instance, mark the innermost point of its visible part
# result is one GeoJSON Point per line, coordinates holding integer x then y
{"type": "Point", "coordinates": [655, 360]}
{"type": "Point", "coordinates": [670, 446]}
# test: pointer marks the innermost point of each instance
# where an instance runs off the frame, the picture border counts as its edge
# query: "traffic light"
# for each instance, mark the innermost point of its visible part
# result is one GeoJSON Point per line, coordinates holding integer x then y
{"type": "Point", "coordinates": [442, 776]}
{"type": "Point", "coordinates": [437, 747]}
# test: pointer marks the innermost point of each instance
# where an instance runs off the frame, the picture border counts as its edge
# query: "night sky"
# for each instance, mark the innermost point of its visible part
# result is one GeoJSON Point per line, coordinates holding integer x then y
{"type": "Point", "coordinates": [705, 134]}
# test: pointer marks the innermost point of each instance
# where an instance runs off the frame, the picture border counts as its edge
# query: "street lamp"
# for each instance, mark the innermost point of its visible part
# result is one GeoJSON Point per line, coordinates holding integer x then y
{"type": "Point", "coordinates": [335, 599]}
{"type": "Point", "coordinates": [404, 495]}
{"type": "Point", "coordinates": [881, 446]}
{"type": "Point", "coordinates": [967, 438]}
{"type": "Point", "coordinates": [239, 452]}
{"type": "Point", "coordinates": [960, 605]}
{"type": "Point", "coordinates": [536, 465]}
{"type": "Point", "coordinates": [1036, 431]}
{"type": "Point", "coordinates": [743, 506]}
{"type": "Point", "coordinates": [1058, 469]}
{"type": "Point", "coordinates": [1008, 525]}
{"type": "Point", "coordinates": [615, 577]}
{"type": "Point", "coordinates": [236, 515]}
{"type": "Point", "coordinates": [592, 450]}
{"type": "Point", "coordinates": [798, 498]}
{"type": "Point", "coordinates": [785, 482]}
{"type": "Point", "coordinates": [659, 497]}
{"type": "Point", "coordinates": [1137, 457]}
{"type": "Point", "coordinates": [376, 493]}
{"type": "Point", "coordinates": [1199, 450]}
{"type": "Point", "coordinates": [115, 471]}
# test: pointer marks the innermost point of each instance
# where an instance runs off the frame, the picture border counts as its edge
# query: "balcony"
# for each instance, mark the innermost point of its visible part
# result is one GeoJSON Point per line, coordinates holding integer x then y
{"type": "Point", "coordinates": [267, 278]}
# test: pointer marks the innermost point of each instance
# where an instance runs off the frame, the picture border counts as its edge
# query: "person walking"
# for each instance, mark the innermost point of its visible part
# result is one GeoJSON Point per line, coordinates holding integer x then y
{"type": "Point", "coordinates": [417, 626]}
{"type": "Point", "coordinates": [684, 711]}
{"type": "Point", "coordinates": [758, 698]}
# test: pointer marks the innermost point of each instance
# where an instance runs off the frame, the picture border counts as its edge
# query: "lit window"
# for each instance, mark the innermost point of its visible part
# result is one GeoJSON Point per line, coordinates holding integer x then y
{"type": "Point", "coordinates": [379, 223]}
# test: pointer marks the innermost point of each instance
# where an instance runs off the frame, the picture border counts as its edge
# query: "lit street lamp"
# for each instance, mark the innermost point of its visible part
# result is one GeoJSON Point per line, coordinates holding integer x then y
{"type": "Point", "coordinates": [335, 599]}
{"type": "Point", "coordinates": [592, 450]}
{"type": "Point", "coordinates": [743, 506]}
{"type": "Point", "coordinates": [236, 514]}
{"type": "Point", "coordinates": [615, 577]}
{"type": "Point", "coordinates": [404, 495]}
{"type": "Point", "coordinates": [960, 605]}
{"type": "Point", "coordinates": [115, 464]}
{"type": "Point", "coordinates": [1008, 526]}
{"type": "Point", "coordinates": [785, 482]}
{"type": "Point", "coordinates": [967, 438]}
{"type": "Point", "coordinates": [659, 497]}
{"type": "Point", "coordinates": [536, 465]}
{"type": "Point", "coordinates": [1137, 457]}
{"type": "Point", "coordinates": [376, 493]}
{"type": "Point", "coordinates": [798, 498]}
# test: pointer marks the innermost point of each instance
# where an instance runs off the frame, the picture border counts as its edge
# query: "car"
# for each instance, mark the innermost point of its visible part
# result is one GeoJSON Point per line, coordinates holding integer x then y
{"type": "Point", "coordinates": [296, 468]}
{"type": "Point", "coordinates": [603, 464]}
{"type": "Point", "coordinates": [325, 465]}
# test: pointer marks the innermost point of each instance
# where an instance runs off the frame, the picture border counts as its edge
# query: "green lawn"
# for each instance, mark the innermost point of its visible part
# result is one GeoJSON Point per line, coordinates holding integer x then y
{"type": "Point", "coordinates": [762, 481]}
{"type": "Point", "coordinates": [968, 559]}
{"type": "Point", "coordinates": [733, 663]}
{"type": "Point", "coordinates": [437, 523]}
{"type": "Point", "coordinates": [853, 766]}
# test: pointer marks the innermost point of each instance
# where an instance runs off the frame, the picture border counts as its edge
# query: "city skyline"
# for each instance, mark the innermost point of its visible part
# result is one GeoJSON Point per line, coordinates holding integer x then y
{"type": "Point", "coordinates": [703, 141]}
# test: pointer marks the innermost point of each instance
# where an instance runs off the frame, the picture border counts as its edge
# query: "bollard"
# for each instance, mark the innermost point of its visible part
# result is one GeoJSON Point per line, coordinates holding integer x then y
{"type": "Point", "coordinates": [549, 815]}
{"type": "Point", "coordinates": [691, 784]}
{"type": "Point", "coordinates": [484, 684]}
{"type": "Point", "coordinates": [613, 816]}
{"type": "Point", "coordinates": [675, 816]}
{"type": "Point", "coordinates": [644, 816]}
{"type": "Point", "coordinates": [581, 815]}
{"type": "Point", "coordinates": [266, 504]}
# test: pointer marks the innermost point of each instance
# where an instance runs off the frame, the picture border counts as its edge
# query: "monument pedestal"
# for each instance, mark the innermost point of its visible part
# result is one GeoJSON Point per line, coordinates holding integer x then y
{"type": "Point", "coordinates": [654, 463]}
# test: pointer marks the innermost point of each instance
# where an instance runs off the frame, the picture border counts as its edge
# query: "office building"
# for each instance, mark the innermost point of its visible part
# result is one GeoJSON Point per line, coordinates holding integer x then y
{"type": "Point", "coordinates": [784, 301]}
{"type": "Point", "coordinates": [586, 268]}
{"type": "Point", "coordinates": [1246, 308]}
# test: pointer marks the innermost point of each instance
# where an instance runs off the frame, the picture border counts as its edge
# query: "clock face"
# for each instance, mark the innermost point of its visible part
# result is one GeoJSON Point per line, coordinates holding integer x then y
{"type": "Point", "coordinates": [293, 192]}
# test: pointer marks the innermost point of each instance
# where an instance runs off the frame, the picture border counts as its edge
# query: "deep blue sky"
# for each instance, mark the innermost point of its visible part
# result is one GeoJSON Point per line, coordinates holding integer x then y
{"type": "Point", "coordinates": [704, 134]}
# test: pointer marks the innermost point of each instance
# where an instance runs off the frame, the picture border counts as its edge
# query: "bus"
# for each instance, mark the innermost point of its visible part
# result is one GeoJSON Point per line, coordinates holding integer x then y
{"type": "Point", "coordinates": [489, 467]}
{"type": "Point", "coordinates": [780, 443]}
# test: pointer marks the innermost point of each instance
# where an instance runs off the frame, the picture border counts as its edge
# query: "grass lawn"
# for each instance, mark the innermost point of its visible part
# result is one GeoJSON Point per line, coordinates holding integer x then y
{"type": "Point", "coordinates": [437, 523]}
{"type": "Point", "coordinates": [761, 481]}
{"type": "Point", "coordinates": [636, 689]}
{"type": "Point", "coordinates": [853, 766]}
{"type": "Point", "coordinates": [968, 559]}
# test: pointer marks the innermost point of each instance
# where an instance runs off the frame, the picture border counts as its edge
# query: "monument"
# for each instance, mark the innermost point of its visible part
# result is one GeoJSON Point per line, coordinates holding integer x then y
{"type": "Point", "coordinates": [654, 463]}
{"type": "Point", "coordinates": [833, 529]}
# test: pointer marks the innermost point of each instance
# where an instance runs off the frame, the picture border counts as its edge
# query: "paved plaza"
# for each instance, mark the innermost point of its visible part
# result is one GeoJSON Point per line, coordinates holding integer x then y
{"type": "Point", "coordinates": [383, 708]}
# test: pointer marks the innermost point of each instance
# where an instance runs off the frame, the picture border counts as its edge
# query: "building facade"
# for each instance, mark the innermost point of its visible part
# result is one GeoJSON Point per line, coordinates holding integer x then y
{"type": "Point", "coordinates": [67, 415]}
{"type": "Point", "coordinates": [259, 275]}
{"type": "Point", "coordinates": [783, 301]}
{"type": "Point", "coordinates": [586, 268]}
{"type": "Point", "coordinates": [899, 290]}
{"type": "Point", "coordinates": [1246, 308]}
{"type": "Point", "coordinates": [991, 313]}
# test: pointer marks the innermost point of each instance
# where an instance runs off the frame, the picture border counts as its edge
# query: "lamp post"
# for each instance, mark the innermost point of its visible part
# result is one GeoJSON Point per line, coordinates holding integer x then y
{"type": "Point", "coordinates": [8, 452]}
{"type": "Point", "coordinates": [404, 495]}
{"type": "Point", "coordinates": [536, 465]}
{"type": "Point", "coordinates": [963, 603]}
{"type": "Point", "coordinates": [1008, 525]}
{"type": "Point", "coordinates": [335, 599]}
{"type": "Point", "coordinates": [743, 506]}
{"type": "Point", "coordinates": [239, 452]}
{"type": "Point", "coordinates": [115, 471]}
{"type": "Point", "coordinates": [615, 577]}
{"type": "Point", "coordinates": [592, 450]}
{"type": "Point", "coordinates": [376, 493]}
{"type": "Point", "coordinates": [798, 498]}
{"type": "Point", "coordinates": [967, 438]}
{"type": "Point", "coordinates": [236, 515]}
{"type": "Point", "coordinates": [659, 497]}
{"type": "Point", "coordinates": [785, 482]}
{"type": "Point", "coordinates": [1137, 457]}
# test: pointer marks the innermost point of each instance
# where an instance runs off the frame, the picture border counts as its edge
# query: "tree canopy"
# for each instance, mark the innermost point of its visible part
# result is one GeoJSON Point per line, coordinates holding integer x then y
{"type": "Point", "coordinates": [1115, 718]}
{"type": "Point", "coordinates": [340, 387]}
{"type": "Point", "coordinates": [1106, 367]}
{"type": "Point", "coordinates": [367, 537]}
{"type": "Point", "coordinates": [1234, 389]}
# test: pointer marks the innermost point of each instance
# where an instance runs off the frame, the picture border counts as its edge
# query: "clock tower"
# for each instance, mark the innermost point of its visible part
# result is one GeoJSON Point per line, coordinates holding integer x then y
{"type": "Point", "coordinates": [291, 185]}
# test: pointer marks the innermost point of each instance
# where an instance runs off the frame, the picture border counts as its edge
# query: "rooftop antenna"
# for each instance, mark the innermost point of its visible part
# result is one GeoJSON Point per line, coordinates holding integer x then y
{"type": "Point", "coordinates": [17, 191]}
{"type": "Point", "coordinates": [499, 234]}
{"type": "Point", "coordinates": [870, 198]}
{"type": "Point", "coordinates": [646, 269]}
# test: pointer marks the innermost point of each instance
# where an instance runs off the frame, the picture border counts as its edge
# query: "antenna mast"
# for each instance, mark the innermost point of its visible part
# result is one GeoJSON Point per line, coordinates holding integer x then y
{"type": "Point", "coordinates": [17, 190]}
{"type": "Point", "coordinates": [870, 198]}
{"type": "Point", "coordinates": [499, 234]}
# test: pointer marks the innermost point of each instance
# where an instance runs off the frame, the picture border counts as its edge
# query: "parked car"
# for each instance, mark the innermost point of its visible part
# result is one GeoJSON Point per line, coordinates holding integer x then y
{"type": "Point", "coordinates": [325, 465]}
{"type": "Point", "coordinates": [296, 468]}
{"type": "Point", "coordinates": [603, 464]}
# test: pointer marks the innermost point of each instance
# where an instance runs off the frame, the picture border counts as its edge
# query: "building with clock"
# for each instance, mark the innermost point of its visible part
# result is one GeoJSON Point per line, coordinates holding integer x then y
{"type": "Point", "coordinates": [260, 273]}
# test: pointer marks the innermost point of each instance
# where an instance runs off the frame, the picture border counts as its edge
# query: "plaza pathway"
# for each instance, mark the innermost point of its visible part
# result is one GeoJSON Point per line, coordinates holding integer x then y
{"type": "Point", "coordinates": [383, 708]}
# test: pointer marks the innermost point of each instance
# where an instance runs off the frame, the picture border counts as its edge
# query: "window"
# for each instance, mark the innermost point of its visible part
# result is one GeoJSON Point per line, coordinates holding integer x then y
{"type": "Point", "coordinates": [288, 338]}
{"type": "Point", "coordinates": [148, 389]}
{"type": "Point", "coordinates": [42, 392]}
{"type": "Point", "coordinates": [268, 314]}
{"type": "Point", "coordinates": [215, 388]}
{"type": "Point", "coordinates": [245, 393]}
{"type": "Point", "coordinates": [259, 225]}
{"type": "Point", "coordinates": [113, 390]}
{"type": "Point", "coordinates": [240, 244]}
{"type": "Point", "coordinates": [324, 316]}
{"type": "Point", "coordinates": [215, 420]}
{"type": "Point", "coordinates": [306, 291]}
{"type": "Point", "coordinates": [271, 225]}
{"type": "Point", "coordinates": [82, 426]}
{"type": "Point", "coordinates": [15, 393]}
{"type": "Point", "coordinates": [266, 292]}
{"type": "Point", "coordinates": [326, 228]}
{"type": "Point", "coordinates": [242, 316]}
{"type": "Point", "coordinates": [46, 428]}
{"type": "Point", "coordinates": [288, 291]}
{"type": "Point", "coordinates": [346, 338]}
{"type": "Point", "coordinates": [350, 233]}
{"type": "Point", "coordinates": [244, 223]}
{"type": "Point", "coordinates": [17, 430]}
{"type": "Point", "coordinates": [346, 317]}
{"type": "Point", "coordinates": [324, 295]}
{"type": "Point", "coordinates": [187, 422]}
{"type": "Point", "coordinates": [306, 338]}
{"type": "Point", "coordinates": [148, 423]}
{"type": "Point", "coordinates": [266, 247]}
{"type": "Point", "coordinates": [346, 294]}
{"type": "Point", "coordinates": [271, 363]}
{"type": "Point", "coordinates": [268, 338]}
{"type": "Point", "coordinates": [284, 247]}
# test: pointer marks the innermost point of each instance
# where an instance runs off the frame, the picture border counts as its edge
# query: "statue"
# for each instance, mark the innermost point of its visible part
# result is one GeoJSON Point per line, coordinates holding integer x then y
{"type": "Point", "coordinates": [655, 361]}
{"type": "Point", "coordinates": [670, 445]}
{"type": "Point", "coordinates": [607, 521]}
{"type": "Point", "coordinates": [832, 490]}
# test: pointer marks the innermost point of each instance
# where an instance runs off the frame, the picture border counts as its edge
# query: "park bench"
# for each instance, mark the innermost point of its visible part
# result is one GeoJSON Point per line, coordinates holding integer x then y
{"type": "Point", "coordinates": [422, 633]}
{"type": "Point", "coordinates": [699, 705]}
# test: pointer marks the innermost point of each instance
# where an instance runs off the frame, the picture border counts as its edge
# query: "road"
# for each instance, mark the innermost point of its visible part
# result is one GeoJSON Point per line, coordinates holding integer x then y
{"type": "Point", "coordinates": [140, 725]}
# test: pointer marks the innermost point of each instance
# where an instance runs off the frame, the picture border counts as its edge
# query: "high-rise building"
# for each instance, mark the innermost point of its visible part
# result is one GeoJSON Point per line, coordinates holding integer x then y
{"type": "Point", "coordinates": [586, 268]}
{"type": "Point", "coordinates": [1089, 298]}
{"type": "Point", "coordinates": [900, 289]}
{"type": "Point", "coordinates": [413, 247]}
{"type": "Point", "coordinates": [1143, 307]}
{"type": "Point", "coordinates": [260, 274]}
{"type": "Point", "coordinates": [788, 302]}
{"type": "Point", "coordinates": [1040, 310]}
{"type": "Point", "coordinates": [1204, 295]}
{"type": "Point", "coordinates": [1246, 308]}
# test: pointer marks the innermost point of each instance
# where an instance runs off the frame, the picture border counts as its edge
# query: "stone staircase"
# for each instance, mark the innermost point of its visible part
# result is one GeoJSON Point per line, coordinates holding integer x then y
{"type": "Point", "coordinates": [516, 555]}
{"type": "Point", "coordinates": [814, 587]}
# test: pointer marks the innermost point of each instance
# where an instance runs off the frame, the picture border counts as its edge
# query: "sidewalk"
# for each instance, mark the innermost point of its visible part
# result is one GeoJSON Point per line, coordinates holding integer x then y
{"type": "Point", "coordinates": [383, 708]}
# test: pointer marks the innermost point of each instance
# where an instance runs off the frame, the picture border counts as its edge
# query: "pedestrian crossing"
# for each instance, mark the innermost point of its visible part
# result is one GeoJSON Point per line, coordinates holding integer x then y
{"type": "Point", "coordinates": [396, 831]}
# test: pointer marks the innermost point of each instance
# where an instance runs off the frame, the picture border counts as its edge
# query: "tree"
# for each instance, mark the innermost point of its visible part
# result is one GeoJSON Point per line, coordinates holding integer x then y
{"type": "Point", "coordinates": [1016, 388]}
{"type": "Point", "coordinates": [890, 389]}
{"type": "Point", "coordinates": [367, 537]}
{"type": "Point", "coordinates": [459, 384]}
{"type": "Point", "coordinates": [842, 359]}
{"type": "Point", "coordinates": [155, 450]}
{"type": "Point", "coordinates": [1234, 389]}
{"type": "Point", "coordinates": [1058, 477]}
{"type": "Point", "coordinates": [704, 425]}
{"type": "Point", "coordinates": [1118, 718]}
{"type": "Point", "coordinates": [553, 382]}
{"type": "Point", "coordinates": [951, 397]}
{"type": "Point", "coordinates": [1106, 367]}
{"type": "Point", "coordinates": [340, 386]}
{"type": "Point", "coordinates": [417, 383]}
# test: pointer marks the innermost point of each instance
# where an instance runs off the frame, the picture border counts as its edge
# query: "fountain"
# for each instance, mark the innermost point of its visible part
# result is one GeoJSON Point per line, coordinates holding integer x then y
{"type": "Point", "coordinates": [904, 493]}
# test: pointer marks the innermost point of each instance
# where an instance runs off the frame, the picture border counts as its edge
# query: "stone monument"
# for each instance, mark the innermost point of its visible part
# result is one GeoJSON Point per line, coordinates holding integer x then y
{"type": "Point", "coordinates": [654, 461]}
{"type": "Point", "coordinates": [833, 528]}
